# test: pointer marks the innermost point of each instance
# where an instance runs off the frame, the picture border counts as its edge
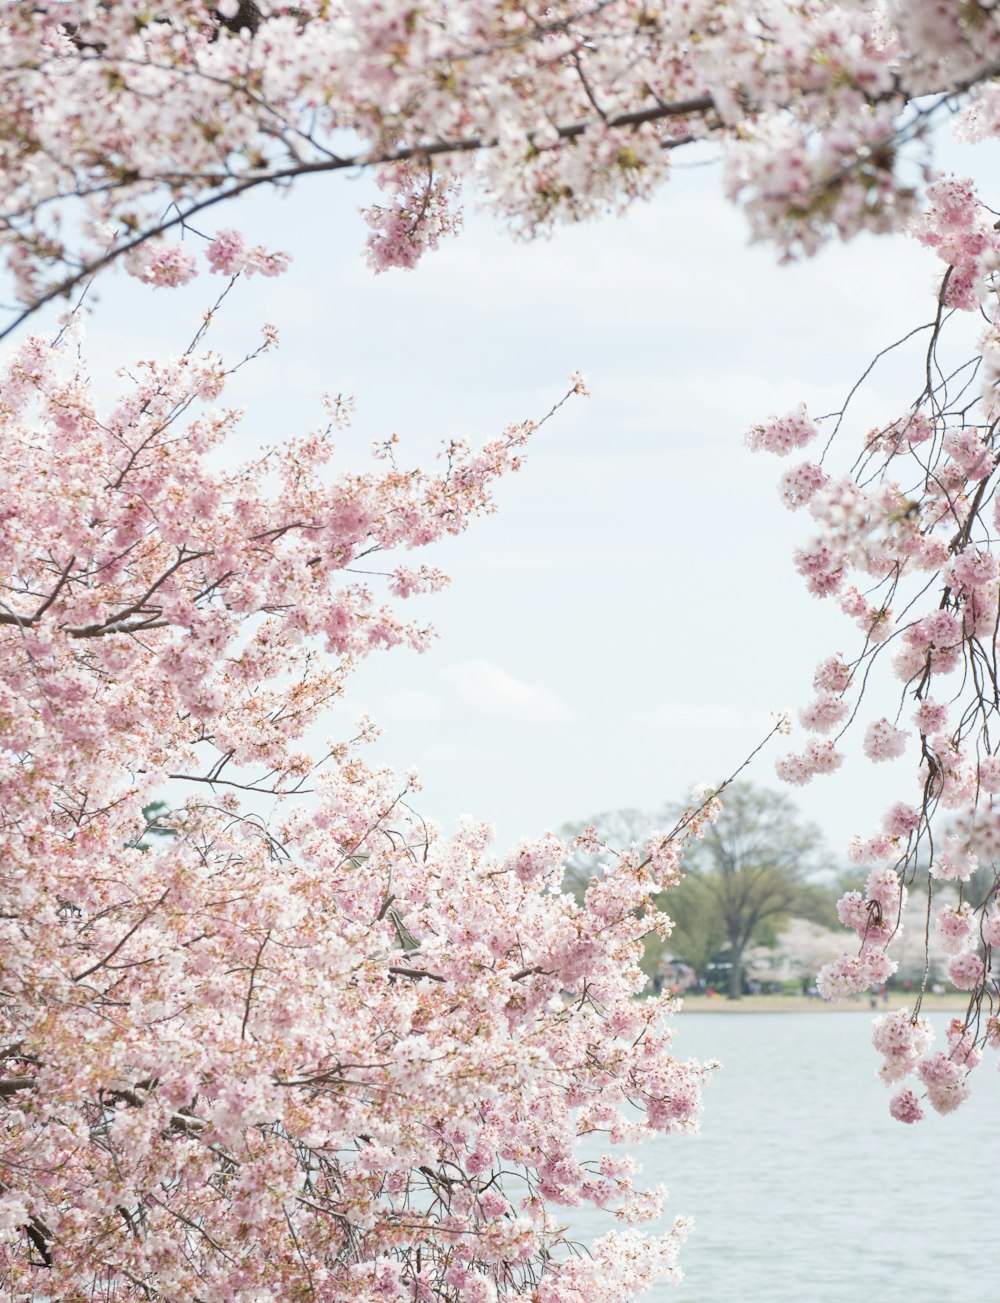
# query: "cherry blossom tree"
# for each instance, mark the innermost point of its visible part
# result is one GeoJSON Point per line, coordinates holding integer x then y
{"type": "Point", "coordinates": [906, 545]}
{"type": "Point", "coordinates": [321, 1051]}
{"type": "Point", "coordinates": [128, 123]}
{"type": "Point", "coordinates": [304, 1046]}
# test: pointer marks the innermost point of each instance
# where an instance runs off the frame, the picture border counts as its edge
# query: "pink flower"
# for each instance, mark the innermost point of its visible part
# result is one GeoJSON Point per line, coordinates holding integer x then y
{"type": "Point", "coordinates": [824, 713]}
{"type": "Point", "coordinates": [901, 1040]}
{"type": "Point", "coordinates": [818, 758]}
{"type": "Point", "coordinates": [879, 847]}
{"type": "Point", "coordinates": [264, 262]}
{"type": "Point", "coordinates": [832, 675]}
{"type": "Point", "coordinates": [989, 774]}
{"type": "Point", "coordinates": [903, 434]}
{"type": "Point", "coordinates": [901, 820]}
{"type": "Point", "coordinates": [878, 966]}
{"type": "Point", "coordinates": [227, 252]}
{"type": "Point", "coordinates": [971, 569]}
{"type": "Point", "coordinates": [945, 1081]}
{"type": "Point", "coordinates": [930, 718]}
{"type": "Point", "coordinates": [905, 1107]}
{"type": "Point", "coordinates": [940, 635]}
{"type": "Point", "coordinates": [966, 971]}
{"type": "Point", "coordinates": [883, 741]}
{"type": "Point", "coordinates": [163, 266]}
{"type": "Point", "coordinates": [842, 977]}
{"type": "Point", "coordinates": [955, 227]}
{"type": "Point", "coordinates": [783, 435]}
{"type": "Point", "coordinates": [884, 886]}
{"type": "Point", "coordinates": [875, 917]}
{"type": "Point", "coordinates": [799, 484]}
{"type": "Point", "coordinates": [972, 572]}
{"type": "Point", "coordinates": [822, 567]}
{"type": "Point", "coordinates": [962, 1044]}
{"type": "Point", "coordinates": [954, 928]}
{"type": "Point", "coordinates": [954, 861]}
{"type": "Point", "coordinates": [230, 254]}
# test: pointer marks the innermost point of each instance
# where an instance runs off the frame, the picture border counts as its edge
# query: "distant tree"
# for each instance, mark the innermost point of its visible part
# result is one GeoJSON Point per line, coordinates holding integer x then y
{"type": "Point", "coordinates": [154, 815]}
{"type": "Point", "coordinates": [698, 933]}
{"type": "Point", "coordinates": [616, 828]}
{"type": "Point", "coordinates": [751, 869]}
{"type": "Point", "coordinates": [804, 945]}
{"type": "Point", "coordinates": [696, 936]}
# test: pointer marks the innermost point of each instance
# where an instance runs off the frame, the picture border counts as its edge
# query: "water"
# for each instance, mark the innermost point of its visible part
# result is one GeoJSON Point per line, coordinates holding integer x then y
{"type": "Point", "coordinates": [804, 1190]}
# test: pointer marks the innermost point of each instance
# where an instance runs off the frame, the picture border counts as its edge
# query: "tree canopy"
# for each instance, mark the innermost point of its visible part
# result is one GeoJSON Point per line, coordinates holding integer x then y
{"type": "Point", "coordinates": [136, 121]}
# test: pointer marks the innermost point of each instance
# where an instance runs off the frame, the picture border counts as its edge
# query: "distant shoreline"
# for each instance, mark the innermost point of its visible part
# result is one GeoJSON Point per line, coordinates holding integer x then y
{"type": "Point", "coordinates": [951, 1002]}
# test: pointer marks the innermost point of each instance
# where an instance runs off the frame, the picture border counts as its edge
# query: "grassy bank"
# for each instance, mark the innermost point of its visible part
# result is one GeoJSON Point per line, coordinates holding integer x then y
{"type": "Point", "coordinates": [952, 1002]}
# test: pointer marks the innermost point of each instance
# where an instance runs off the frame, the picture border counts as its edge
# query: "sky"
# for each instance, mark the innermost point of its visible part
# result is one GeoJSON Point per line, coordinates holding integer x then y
{"type": "Point", "coordinates": [620, 630]}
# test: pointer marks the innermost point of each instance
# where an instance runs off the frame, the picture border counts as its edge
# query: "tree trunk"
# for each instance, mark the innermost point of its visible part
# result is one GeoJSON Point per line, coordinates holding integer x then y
{"type": "Point", "coordinates": [736, 974]}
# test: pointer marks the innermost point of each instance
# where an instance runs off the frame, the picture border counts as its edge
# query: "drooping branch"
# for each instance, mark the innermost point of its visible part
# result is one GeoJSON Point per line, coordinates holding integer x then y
{"type": "Point", "coordinates": [425, 151]}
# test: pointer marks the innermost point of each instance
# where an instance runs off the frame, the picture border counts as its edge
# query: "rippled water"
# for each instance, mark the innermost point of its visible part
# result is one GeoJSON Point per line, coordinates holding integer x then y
{"type": "Point", "coordinates": [802, 1187]}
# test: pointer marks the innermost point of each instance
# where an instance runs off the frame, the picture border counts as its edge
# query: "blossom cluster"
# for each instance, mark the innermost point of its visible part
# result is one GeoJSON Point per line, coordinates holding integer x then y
{"type": "Point", "coordinates": [875, 918]}
{"type": "Point", "coordinates": [957, 228]}
{"type": "Point", "coordinates": [906, 547]}
{"type": "Point", "coordinates": [276, 1038]}
{"type": "Point", "coordinates": [187, 105]}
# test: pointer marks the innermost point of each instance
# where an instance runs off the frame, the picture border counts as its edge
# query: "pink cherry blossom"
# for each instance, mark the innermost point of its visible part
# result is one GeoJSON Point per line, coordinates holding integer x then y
{"type": "Point", "coordinates": [309, 1036]}
{"type": "Point", "coordinates": [902, 820]}
{"type": "Point", "coordinates": [824, 713]}
{"type": "Point", "coordinates": [954, 862]}
{"type": "Point", "coordinates": [784, 435]}
{"type": "Point", "coordinates": [901, 1039]}
{"type": "Point", "coordinates": [833, 675]}
{"type": "Point", "coordinates": [905, 1107]}
{"type": "Point", "coordinates": [883, 741]}
{"type": "Point", "coordinates": [149, 124]}
{"type": "Point", "coordinates": [843, 977]}
{"type": "Point", "coordinates": [162, 265]}
{"type": "Point", "coordinates": [799, 484]}
{"type": "Point", "coordinates": [945, 1081]}
{"type": "Point", "coordinates": [818, 758]}
{"type": "Point", "coordinates": [966, 971]}
{"type": "Point", "coordinates": [963, 1044]}
{"type": "Point", "coordinates": [930, 717]}
{"type": "Point", "coordinates": [954, 928]}
{"type": "Point", "coordinates": [252, 1058]}
{"type": "Point", "coordinates": [989, 774]}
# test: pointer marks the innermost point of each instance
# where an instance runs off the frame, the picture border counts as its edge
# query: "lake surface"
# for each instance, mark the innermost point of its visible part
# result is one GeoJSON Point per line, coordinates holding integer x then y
{"type": "Point", "coordinates": [802, 1187]}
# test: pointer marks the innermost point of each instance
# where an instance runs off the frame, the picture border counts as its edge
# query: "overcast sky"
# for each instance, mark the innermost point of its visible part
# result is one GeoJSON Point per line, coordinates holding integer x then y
{"type": "Point", "coordinates": [620, 630]}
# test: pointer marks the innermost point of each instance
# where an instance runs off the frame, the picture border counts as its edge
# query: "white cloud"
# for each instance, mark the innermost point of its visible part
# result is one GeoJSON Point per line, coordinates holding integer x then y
{"type": "Point", "coordinates": [678, 715]}
{"type": "Point", "coordinates": [458, 754]}
{"type": "Point", "coordinates": [631, 283]}
{"type": "Point", "coordinates": [568, 554]}
{"type": "Point", "coordinates": [490, 690]}
{"type": "Point", "coordinates": [414, 704]}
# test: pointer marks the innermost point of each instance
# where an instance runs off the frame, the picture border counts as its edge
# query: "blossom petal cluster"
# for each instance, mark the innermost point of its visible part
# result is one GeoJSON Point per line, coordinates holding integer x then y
{"type": "Point", "coordinates": [266, 1033]}
{"type": "Point", "coordinates": [906, 546]}
{"type": "Point", "coordinates": [134, 120]}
